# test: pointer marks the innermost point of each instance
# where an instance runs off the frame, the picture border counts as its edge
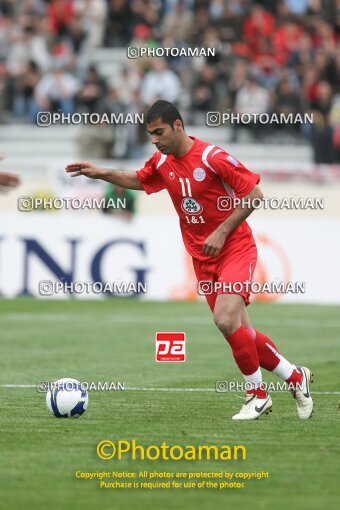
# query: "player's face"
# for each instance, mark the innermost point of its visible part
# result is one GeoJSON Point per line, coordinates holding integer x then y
{"type": "Point", "coordinates": [165, 137]}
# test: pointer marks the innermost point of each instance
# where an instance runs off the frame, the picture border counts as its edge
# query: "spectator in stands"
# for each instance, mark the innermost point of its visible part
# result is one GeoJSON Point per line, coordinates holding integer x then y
{"type": "Point", "coordinates": [237, 79]}
{"type": "Point", "coordinates": [5, 95]}
{"type": "Point", "coordinates": [27, 46]}
{"type": "Point", "coordinates": [91, 95]}
{"type": "Point", "coordinates": [229, 23]}
{"type": "Point", "coordinates": [118, 27]}
{"type": "Point", "coordinates": [322, 130]}
{"type": "Point", "coordinates": [251, 99]}
{"type": "Point", "coordinates": [302, 53]}
{"type": "Point", "coordinates": [334, 16]}
{"type": "Point", "coordinates": [201, 23]}
{"type": "Point", "coordinates": [298, 7]}
{"type": "Point", "coordinates": [211, 39]}
{"type": "Point", "coordinates": [24, 106]}
{"type": "Point", "coordinates": [98, 140]}
{"type": "Point", "coordinates": [259, 25]}
{"type": "Point", "coordinates": [287, 101]}
{"type": "Point", "coordinates": [57, 90]}
{"type": "Point", "coordinates": [178, 23]}
{"type": "Point", "coordinates": [76, 36]}
{"type": "Point", "coordinates": [7, 7]}
{"type": "Point", "coordinates": [294, 40]}
{"type": "Point", "coordinates": [135, 134]}
{"type": "Point", "coordinates": [160, 82]}
{"type": "Point", "coordinates": [144, 12]}
{"type": "Point", "coordinates": [142, 37]}
{"type": "Point", "coordinates": [116, 196]}
{"type": "Point", "coordinates": [60, 14]}
{"type": "Point", "coordinates": [95, 141]}
{"type": "Point", "coordinates": [205, 93]}
{"type": "Point", "coordinates": [93, 16]}
{"type": "Point", "coordinates": [31, 7]}
{"type": "Point", "coordinates": [112, 103]}
{"type": "Point", "coordinates": [127, 82]}
{"type": "Point", "coordinates": [335, 124]}
{"type": "Point", "coordinates": [286, 40]}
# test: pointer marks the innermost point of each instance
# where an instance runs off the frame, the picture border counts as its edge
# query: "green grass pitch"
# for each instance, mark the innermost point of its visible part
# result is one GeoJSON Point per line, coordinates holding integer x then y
{"type": "Point", "coordinates": [113, 340]}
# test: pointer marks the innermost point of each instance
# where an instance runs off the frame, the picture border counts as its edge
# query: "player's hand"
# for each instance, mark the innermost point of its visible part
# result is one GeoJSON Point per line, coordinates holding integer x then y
{"type": "Point", "coordinates": [214, 243]}
{"type": "Point", "coordinates": [85, 168]}
{"type": "Point", "coordinates": [8, 181]}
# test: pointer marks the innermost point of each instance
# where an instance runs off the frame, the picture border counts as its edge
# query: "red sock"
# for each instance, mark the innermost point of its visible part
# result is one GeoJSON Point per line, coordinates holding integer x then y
{"type": "Point", "coordinates": [244, 351]}
{"type": "Point", "coordinates": [259, 392]}
{"type": "Point", "coordinates": [295, 378]}
{"type": "Point", "coordinates": [268, 359]}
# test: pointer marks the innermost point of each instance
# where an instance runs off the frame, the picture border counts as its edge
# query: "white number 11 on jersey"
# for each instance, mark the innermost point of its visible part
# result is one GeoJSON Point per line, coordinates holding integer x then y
{"type": "Point", "coordinates": [187, 182]}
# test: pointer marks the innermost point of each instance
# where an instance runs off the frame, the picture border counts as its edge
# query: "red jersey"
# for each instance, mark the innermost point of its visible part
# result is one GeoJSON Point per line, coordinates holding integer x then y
{"type": "Point", "coordinates": [198, 183]}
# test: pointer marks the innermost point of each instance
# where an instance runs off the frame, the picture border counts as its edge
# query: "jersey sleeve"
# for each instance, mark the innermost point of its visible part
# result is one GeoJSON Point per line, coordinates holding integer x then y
{"type": "Point", "coordinates": [149, 176]}
{"type": "Point", "coordinates": [239, 178]}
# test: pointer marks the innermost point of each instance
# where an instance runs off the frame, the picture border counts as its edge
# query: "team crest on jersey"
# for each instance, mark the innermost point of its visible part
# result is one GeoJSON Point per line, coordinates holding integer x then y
{"type": "Point", "coordinates": [232, 160]}
{"type": "Point", "coordinates": [199, 174]}
{"type": "Point", "coordinates": [171, 175]}
{"type": "Point", "coordinates": [191, 206]}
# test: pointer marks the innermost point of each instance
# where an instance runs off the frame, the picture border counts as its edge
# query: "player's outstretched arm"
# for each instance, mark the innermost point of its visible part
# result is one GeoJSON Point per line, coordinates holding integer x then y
{"type": "Point", "coordinates": [8, 181]}
{"type": "Point", "coordinates": [125, 179]}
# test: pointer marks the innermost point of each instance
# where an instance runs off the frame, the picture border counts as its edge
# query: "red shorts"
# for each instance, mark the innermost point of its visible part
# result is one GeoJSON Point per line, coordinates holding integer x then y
{"type": "Point", "coordinates": [230, 274]}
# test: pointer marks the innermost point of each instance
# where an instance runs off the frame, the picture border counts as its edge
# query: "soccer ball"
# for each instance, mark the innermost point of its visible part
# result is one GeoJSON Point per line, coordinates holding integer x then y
{"type": "Point", "coordinates": [67, 399]}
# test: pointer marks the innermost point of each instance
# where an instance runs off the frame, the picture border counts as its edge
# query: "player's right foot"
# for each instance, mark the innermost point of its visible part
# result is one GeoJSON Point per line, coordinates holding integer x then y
{"type": "Point", "coordinates": [253, 407]}
{"type": "Point", "coordinates": [304, 401]}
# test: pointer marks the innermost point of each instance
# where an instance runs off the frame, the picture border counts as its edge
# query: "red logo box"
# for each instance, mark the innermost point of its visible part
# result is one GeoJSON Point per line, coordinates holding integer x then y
{"type": "Point", "coordinates": [170, 346]}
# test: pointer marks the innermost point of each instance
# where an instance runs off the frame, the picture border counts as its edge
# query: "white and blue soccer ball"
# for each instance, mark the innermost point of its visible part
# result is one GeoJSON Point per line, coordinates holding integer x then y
{"type": "Point", "coordinates": [67, 398]}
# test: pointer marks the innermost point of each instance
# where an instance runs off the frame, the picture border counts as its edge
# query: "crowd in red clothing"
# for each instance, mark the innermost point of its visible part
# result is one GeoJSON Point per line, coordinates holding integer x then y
{"type": "Point", "coordinates": [284, 53]}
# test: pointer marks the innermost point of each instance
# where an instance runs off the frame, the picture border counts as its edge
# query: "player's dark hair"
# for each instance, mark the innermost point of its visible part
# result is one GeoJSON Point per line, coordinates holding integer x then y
{"type": "Point", "coordinates": [165, 111]}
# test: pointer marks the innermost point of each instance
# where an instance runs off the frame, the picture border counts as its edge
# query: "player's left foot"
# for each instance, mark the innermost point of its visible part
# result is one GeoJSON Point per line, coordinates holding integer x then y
{"type": "Point", "coordinates": [304, 401]}
{"type": "Point", "coordinates": [253, 407]}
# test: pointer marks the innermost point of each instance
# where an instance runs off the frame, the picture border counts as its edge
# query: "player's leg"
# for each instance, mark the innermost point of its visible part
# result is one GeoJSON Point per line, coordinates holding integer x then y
{"type": "Point", "coordinates": [227, 316]}
{"type": "Point", "coordinates": [272, 360]}
{"type": "Point", "coordinates": [269, 356]}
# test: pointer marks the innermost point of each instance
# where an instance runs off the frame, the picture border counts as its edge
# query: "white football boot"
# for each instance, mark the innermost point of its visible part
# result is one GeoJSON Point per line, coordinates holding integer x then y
{"type": "Point", "coordinates": [304, 401]}
{"type": "Point", "coordinates": [253, 407]}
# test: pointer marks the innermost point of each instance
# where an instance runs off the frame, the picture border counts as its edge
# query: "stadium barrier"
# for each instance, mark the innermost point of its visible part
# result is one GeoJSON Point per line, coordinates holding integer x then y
{"type": "Point", "coordinates": [68, 248]}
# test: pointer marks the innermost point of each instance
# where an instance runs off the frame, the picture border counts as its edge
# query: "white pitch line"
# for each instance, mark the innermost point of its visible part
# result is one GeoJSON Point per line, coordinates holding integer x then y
{"type": "Point", "coordinates": [150, 319]}
{"type": "Point", "coordinates": [180, 390]}
{"type": "Point", "coordinates": [18, 385]}
{"type": "Point", "coordinates": [213, 389]}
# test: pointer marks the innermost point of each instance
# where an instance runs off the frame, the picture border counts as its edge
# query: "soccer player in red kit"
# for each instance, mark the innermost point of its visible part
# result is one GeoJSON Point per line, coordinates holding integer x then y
{"type": "Point", "coordinates": [202, 180]}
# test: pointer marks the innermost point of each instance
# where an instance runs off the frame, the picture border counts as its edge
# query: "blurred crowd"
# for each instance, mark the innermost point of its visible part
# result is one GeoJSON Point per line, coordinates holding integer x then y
{"type": "Point", "coordinates": [270, 56]}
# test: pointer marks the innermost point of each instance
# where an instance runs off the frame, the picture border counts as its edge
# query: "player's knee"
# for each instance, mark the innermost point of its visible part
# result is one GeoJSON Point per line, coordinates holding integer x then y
{"type": "Point", "coordinates": [225, 324]}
